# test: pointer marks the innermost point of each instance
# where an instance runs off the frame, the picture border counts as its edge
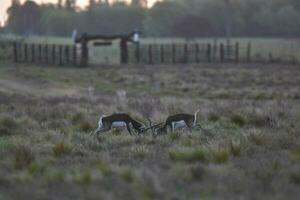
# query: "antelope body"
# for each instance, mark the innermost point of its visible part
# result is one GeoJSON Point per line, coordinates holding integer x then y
{"type": "Point", "coordinates": [106, 123]}
{"type": "Point", "coordinates": [181, 120]}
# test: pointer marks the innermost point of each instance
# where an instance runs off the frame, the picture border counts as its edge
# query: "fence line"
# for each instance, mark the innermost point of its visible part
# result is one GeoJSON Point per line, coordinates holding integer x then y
{"type": "Point", "coordinates": [188, 53]}
{"type": "Point", "coordinates": [183, 53]}
{"type": "Point", "coordinates": [45, 54]}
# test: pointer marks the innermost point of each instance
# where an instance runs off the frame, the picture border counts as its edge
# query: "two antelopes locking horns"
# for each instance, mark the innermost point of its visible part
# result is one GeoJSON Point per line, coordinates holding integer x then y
{"type": "Point", "coordinates": [122, 120]}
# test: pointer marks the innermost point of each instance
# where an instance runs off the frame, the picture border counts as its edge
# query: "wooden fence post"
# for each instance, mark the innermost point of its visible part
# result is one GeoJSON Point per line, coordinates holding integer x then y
{"type": "Point", "coordinates": [39, 53]}
{"type": "Point", "coordinates": [32, 53]}
{"type": "Point", "coordinates": [208, 52]}
{"type": "Point", "coordinates": [162, 54]}
{"type": "Point", "coordinates": [197, 51]}
{"type": "Point", "coordinates": [215, 50]}
{"type": "Point", "coordinates": [60, 54]}
{"type": "Point", "coordinates": [46, 49]}
{"type": "Point", "coordinates": [248, 52]}
{"type": "Point", "coordinates": [85, 51]}
{"type": "Point", "coordinates": [75, 55]}
{"type": "Point", "coordinates": [67, 59]}
{"type": "Point", "coordinates": [26, 53]}
{"type": "Point", "coordinates": [53, 54]}
{"type": "Point", "coordinates": [137, 53]}
{"type": "Point", "coordinates": [222, 52]}
{"type": "Point", "coordinates": [237, 52]}
{"type": "Point", "coordinates": [15, 52]}
{"type": "Point", "coordinates": [185, 53]}
{"type": "Point", "coordinates": [174, 53]}
{"type": "Point", "coordinates": [150, 54]}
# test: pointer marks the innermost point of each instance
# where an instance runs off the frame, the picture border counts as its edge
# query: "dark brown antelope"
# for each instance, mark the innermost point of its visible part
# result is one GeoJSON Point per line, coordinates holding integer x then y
{"type": "Point", "coordinates": [120, 120]}
{"type": "Point", "coordinates": [181, 120]}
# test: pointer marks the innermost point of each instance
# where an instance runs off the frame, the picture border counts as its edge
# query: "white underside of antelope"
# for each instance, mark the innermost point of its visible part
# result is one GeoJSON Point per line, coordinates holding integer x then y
{"type": "Point", "coordinates": [178, 124]}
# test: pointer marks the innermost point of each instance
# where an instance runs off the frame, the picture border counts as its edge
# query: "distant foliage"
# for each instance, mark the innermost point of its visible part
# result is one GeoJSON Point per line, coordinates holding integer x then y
{"type": "Point", "coordinates": [180, 18]}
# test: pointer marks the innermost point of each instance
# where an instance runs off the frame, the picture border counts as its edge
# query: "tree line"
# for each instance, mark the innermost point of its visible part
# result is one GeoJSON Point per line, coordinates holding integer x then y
{"type": "Point", "coordinates": [168, 18]}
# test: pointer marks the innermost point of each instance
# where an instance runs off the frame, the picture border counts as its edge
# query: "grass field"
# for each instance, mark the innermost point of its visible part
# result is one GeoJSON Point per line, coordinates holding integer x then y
{"type": "Point", "coordinates": [251, 149]}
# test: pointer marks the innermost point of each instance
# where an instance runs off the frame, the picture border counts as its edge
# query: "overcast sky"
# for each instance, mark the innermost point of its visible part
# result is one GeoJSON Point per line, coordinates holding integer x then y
{"type": "Point", "coordinates": [4, 4]}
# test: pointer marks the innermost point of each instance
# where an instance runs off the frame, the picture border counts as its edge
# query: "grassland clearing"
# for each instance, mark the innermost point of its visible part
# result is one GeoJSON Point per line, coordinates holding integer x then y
{"type": "Point", "coordinates": [251, 111]}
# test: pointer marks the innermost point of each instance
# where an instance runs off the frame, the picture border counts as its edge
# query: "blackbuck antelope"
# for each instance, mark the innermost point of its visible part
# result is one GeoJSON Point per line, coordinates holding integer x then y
{"type": "Point", "coordinates": [121, 120]}
{"type": "Point", "coordinates": [181, 120]}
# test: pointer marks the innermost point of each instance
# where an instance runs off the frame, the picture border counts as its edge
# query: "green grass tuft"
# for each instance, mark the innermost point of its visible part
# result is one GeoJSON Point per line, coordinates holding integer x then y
{"type": "Point", "coordinates": [194, 155]}
{"type": "Point", "coordinates": [84, 178]}
{"type": "Point", "coordinates": [235, 147]}
{"type": "Point", "coordinates": [62, 149]}
{"type": "Point", "coordinates": [174, 136]}
{"type": "Point", "coordinates": [35, 168]}
{"type": "Point", "coordinates": [295, 153]}
{"type": "Point", "coordinates": [213, 117]}
{"type": "Point", "coordinates": [220, 156]}
{"type": "Point", "coordinates": [127, 175]}
{"type": "Point", "coordinates": [295, 177]}
{"type": "Point", "coordinates": [24, 156]}
{"type": "Point", "coordinates": [238, 120]}
{"type": "Point", "coordinates": [8, 126]}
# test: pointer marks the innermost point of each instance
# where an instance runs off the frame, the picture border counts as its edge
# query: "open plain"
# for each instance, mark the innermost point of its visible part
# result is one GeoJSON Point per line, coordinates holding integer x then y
{"type": "Point", "coordinates": [250, 148]}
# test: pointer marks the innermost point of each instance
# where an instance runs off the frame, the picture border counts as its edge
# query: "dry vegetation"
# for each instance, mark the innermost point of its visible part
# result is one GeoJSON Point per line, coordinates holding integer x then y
{"type": "Point", "coordinates": [250, 151]}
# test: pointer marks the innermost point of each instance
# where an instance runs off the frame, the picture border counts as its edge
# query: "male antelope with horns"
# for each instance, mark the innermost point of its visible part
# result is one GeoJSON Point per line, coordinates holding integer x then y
{"type": "Point", "coordinates": [120, 120]}
{"type": "Point", "coordinates": [181, 120]}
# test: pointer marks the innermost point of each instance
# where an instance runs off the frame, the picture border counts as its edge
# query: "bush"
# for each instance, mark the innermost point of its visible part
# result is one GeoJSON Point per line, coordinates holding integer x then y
{"type": "Point", "coordinates": [295, 177]}
{"type": "Point", "coordinates": [174, 136]}
{"type": "Point", "coordinates": [220, 156]}
{"type": "Point", "coordinates": [194, 155]}
{"type": "Point", "coordinates": [127, 175]}
{"type": "Point", "coordinates": [81, 123]}
{"type": "Point", "coordinates": [238, 120]}
{"type": "Point", "coordinates": [85, 126]}
{"type": "Point", "coordinates": [62, 149]}
{"type": "Point", "coordinates": [24, 156]}
{"type": "Point", "coordinates": [295, 153]}
{"type": "Point", "coordinates": [257, 138]}
{"type": "Point", "coordinates": [77, 118]}
{"type": "Point", "coordinates": [84, 178]}
{"type": "Point", "coordinates": [8, 126]}
{"type": "Point", "coordinates": [213, 117]}
{"type": "Point", "coordinates": [35, 168]}
{"type": "Point", "coordinates": [235, 147]}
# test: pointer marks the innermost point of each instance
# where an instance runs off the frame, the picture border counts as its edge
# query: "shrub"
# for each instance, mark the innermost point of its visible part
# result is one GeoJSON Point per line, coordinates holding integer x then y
{"type": "Point", "coordinates": [140, 152]}
{"type": "Point", "coordinates": [35, 168]}
{"type": "Point", "coordinates": [78, 117]}
{"type": "Point", "coordinates": [8, 126]}
{"type": "Point", "coordinates": [24, 156]}
{"type": "Point", "coordinates": [85, 126]}
{"type": "Point", "coordinates": [194, 155]}
{"type": "Point", "coordinates": [213, 117]}
{"type": "Point", "coordinates": [235, 147]}
{"type": "Point", "coordinates": [84, 178]}
{"type": "Point", "coordinates": [61, 149]}
{"type": "Point", "coordinates": [197, 172]}
{"type": "Point", "coordinates": [174, 136]}
{"type": "Point", "coordinates": [55, 176]}
{"type": "Point", "coordinates": [104, 167]}
{"type": "Point", "coordinates": [295, 153]}
{"type": "Point", "coordinates": [81, 123]}
{"type": "Point", "coordinates": [220, 156]}
{"type": "Point", "coordinates": [257, 138]}
{"type": "Point", "coordinates": [6, 143]}
{"type": "Point", "coordinates": [295, 177]}
{"type": "Point", "coordinates": [238, 120]}
{"type": "Point", "coordinates": [127, 175]}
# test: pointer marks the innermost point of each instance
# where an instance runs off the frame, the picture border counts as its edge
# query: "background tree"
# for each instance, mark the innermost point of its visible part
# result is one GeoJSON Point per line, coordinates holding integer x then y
{"type": "Point", "coordinates": [169, 18]}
